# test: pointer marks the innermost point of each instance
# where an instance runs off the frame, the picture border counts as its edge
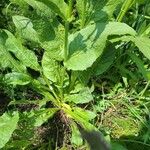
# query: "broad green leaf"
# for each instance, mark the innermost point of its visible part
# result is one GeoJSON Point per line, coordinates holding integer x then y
{"type": "Point", "coordinates": [27, 57]}
{"type": "Point", "coordinates": [96, 10]}
{"type": "Point", "coordinates": [40, 28]}
{"type": "Point", "coordinates": [50, 67]}
{"type": "Point", "coordinates": [58, 6]}
{"type": "Point", "coordinates": [84, 114]}
{"type": "Point", "coordinates": [77, 86]}
{"type": "Point", "coordinates": [76, 137]}
{"type": "Point", "coordinates": [40, 7]}
{"type": "Point", "coordinates": [105, 13]}
{"type": "Point", "coordinates": [41, 116]}
{"type": "Point", "coordinates": [16, 78]}
{"type": "Point", "coordinates": [81, 116]}
{"type": "Point", "coordinates": [55, 46]}
{"type": "Point", "coordinates": [84, 96]}
{"type": "Point", "coordinates": [6, 59]}
{"type": "Point", "coordinates": [8, 123]}
{"type": "Point", "coordinates": [143, 43]}
{"type": "Point", "coordinates": [88, 44]}
{"type": "Point", "coordinates": [104, 62]}
{"type": "Point", "coordinates": [44, 29]}
{"type": "Point", "coordinates": [40, 102]}
{"type": "Point", "coordinates": [99, 66]}
{"type": "Point", "coordinates": [25, 28]}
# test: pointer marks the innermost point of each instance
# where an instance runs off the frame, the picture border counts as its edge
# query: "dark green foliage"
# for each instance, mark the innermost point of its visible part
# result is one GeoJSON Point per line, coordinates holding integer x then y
{"type": "Point", "coordinates": [70, 53]}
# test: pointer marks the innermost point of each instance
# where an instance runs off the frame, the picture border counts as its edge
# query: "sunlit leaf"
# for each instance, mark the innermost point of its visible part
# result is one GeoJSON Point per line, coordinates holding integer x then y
{"type": "Point", "coordinates": [50, 67]}
{"type": "Point", "coordinates": [40, 7]}
{"type": "Point", "coordinates": [84, 96]}
{"type": "Point", "coordinates": [76, 137]}
{"type": "Point", "coordinates": [8, 123]}
{"type": "Point", "coordinates": [42, 116]}
{"type": "Point", "coordinates": [58, 6]}
{"type": "Point", "coordinates": [16, 78]}
{"type": "Point", "coordinates": [88, 44]}
{"type": "Point", "coordinates": [27, 57]}
{"type": "Point", "coordinates": [25, 28]}
{"type": "Point", "coordinates": [143, 43]}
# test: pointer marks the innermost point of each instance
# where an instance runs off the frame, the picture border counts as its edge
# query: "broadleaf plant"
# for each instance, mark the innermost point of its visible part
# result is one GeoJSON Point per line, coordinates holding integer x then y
{"type": "Point", "coordinates": [76, 48]}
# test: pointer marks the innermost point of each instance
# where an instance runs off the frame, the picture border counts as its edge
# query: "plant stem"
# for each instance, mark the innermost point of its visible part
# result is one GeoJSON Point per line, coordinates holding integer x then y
{"type": "Point", "coordinates": [126, 5]}
{"type": "Point", "coordinates": [67, 29]}
{"type": "Point", "coordinates": [66, 41]}
{"type": "Point", "coordinates": [69, 13]}
{"type": "Point", "coordinates": [50, 88]}
{"type": "Point", "coordinates": [83, 17]}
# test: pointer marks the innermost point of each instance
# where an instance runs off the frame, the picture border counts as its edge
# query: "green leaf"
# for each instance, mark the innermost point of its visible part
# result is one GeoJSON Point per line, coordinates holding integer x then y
{"type": "Point", "coordinates": [6, 59]}
{"type": "Point", "coordinates": [88, 44]}
{"type": "Point", "coordinates": [85, 114]}
{"type": "Point", "coordinates": [40, 102]}
{"type": "Point", "coordinates": [16, 78]}
{"type": "Point", "coordinates": [104, 62]}
{"type": "Point", "coordinates": [76, 137]}
{"type": "Point", "coordinates": [42, 116]}
{"type": "Point", "coordinates": [40, 7]}
{"type": "Point", "coordinates": [55, 46]}
{"type": "Point", "coordinates": [44, 29]}
{"type": "Point", "coordinates": [58, 6]}
{"type": "Point", "coordinates": [96, 10]}
{"type": "Point", "coordinates": [8, 124]}
{"type": "Point", "coordinates": [105, 13]}
{"type": "Point", "coordinates": [50, 67]}
{"type": "Point", "coordinates": [82, 117]}
{"type": "Point", "coordinates": [143, 43]}
{"type": "Point", "coordinates": [40, 28]}
{"type": "Point", "coordinates": [84, 96]}
{"type": "Point", "coordinates": [27, 57]}
{"type": "Point", "coordinates": [25, 28]}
